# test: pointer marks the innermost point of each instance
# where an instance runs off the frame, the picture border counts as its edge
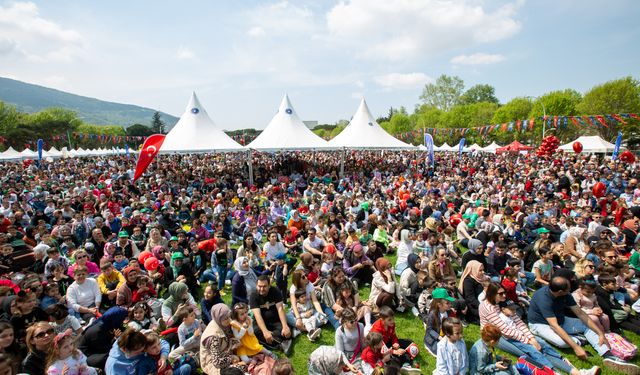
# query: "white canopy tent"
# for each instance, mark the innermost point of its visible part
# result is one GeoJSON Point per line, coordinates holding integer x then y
{"type": "Point", "coordinates": [364, 132]}
{"type": "Point", "coordinates": [286, 131]}
{"type": "Point", "coordinates": [474, 147]}
{"type": "Point", "coordinates": [196, 132]}
{"type": "Point", "coordinates": [491, 148]}
{"type": "Point", "coordinates": [54, 153]}
{"type": "Point", "coordinates": [444, 147]}
{"type": "Point", "coordinates": [28, 154]}
{"type": "Point", "coordinates": [590, 144]}
{"type": "Point", "coordinates": [10, 154]}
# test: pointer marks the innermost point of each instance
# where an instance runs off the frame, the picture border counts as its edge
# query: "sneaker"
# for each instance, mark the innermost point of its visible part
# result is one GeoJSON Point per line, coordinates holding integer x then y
{"type": "Point", "coordinates": [286, 347]}
{"type": "Point", "coordinates": [400, 309]}
{"type": "Point", "coordinates": [295, 332]}
{"type": "Point", "coordinates": [408, 369]}
{"type": "Point", "coordinates": [227, 282]}
{"type": "Point", "coordinates": [313, 335]}
{"type": "Point", "coordinates": [465, 324]}
{"type": "Point", "coordinates": [415, 311]}
{"type": "Point", "coordinates": [619, 365]}
{"type": "Point", "coordinates": [595, 370]}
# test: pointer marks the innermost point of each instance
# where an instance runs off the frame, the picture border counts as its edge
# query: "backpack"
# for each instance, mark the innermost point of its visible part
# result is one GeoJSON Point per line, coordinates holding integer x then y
{"type": "Point", "coordinates": [527, 366]}
{"type": "Point", "coordinates": [620, 347]}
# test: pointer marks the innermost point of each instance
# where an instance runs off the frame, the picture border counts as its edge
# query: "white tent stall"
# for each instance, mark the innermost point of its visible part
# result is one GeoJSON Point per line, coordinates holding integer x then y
{"type": "Point", "coordinates": [590, 144]}
{"type": "Point", "coordinates": [491, 148]}
{"type": "Point", "coordinates": [196, 132]}
{"type": "Point", "coordinates": [10, 154]}
{"type": "Point", "coordinates": [364, 132]}
{"type": "Point", "coordinates": [286, 131]}
{"type": "Point", "coordinates": [28, 154]}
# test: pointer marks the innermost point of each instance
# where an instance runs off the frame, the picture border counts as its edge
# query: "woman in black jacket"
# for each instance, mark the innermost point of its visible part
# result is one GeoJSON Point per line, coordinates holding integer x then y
{"type": "Point", "coordinates": [39, 338]}
{"type": "Point", "coordinates": [471, 287]}
{"type": "Point", "coordinates": [96, 341]}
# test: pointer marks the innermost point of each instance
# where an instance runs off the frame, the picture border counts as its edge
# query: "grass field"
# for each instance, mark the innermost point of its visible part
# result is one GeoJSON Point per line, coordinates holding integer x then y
{"type": "Point", "coordinates": [410, 327]}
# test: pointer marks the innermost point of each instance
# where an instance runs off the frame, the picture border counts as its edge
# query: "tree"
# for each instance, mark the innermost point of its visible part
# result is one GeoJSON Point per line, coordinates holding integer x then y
{"type": "Point", "coordinates": [617, 96]}
{"type": "Point", "coordinates": [139, 130]}
{"type": "Point", "coordinates": [444, 93]}
{"type": "Point", "coordinates": [555, 103]}
{"type": "Point", "coordinates": [479, 93]}
{"type": "Point", "coordinates": [157, 125]}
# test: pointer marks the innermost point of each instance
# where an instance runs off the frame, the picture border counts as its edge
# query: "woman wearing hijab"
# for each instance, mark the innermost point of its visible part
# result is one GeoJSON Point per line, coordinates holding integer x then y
{"type": "Point", "coordinates": [327, 360]}
{"type": "Point", "coordinates": [405, 247]}
{"type": "Point", "coordinates": [409, 288]}
{"type": "Point", "coordinates": [471, 287]}
{"type": "Point", "coordinates": [243, 282]}
{"type": "Point", "coordinates": [218, 343]}
{"type": "Point", "coordinates": [476, 252]}
{"type": "Point", "coordinates": [384, 291]}
{"type": "Point", "coordinates": [630, 231]}
{"type": "Point", "coordinates": [125, 292]}
{"type": "Point", "coordinates": [575, 243]}
{"type": "Point", "coordinates": [179, 298]}
{"type": "Point", "coordinates": [96, 341]}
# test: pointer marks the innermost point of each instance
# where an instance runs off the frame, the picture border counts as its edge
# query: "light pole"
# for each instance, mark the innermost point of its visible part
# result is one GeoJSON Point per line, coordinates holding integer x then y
{"type": "Point", "coordinates": [544, 112]}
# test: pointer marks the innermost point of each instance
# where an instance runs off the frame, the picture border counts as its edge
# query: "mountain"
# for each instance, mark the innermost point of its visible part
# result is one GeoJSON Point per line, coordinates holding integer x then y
{"type": "Point", "coordinates": [33, 98]}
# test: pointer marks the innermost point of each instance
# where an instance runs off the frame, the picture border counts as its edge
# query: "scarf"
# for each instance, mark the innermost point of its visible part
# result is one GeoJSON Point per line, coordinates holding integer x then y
{"type": "Point", "coordinates": [156, 251]}
{"type": "Point", "coordinates": [382, 264]}
{"type": "Point", "coordinates": [473, 245]}
{"type": "Point", "coordinates": [473, 270]}
{"type": "Point", "coordinates": [220, 312]}
{"type": "Point", "coordinates": [176, 291]}
{"type": "Point", "coordinates": [412, 259]}
{"type": "Point", "coordinates": [113, 318]}
{"type": "Point", "coordinates": [630, 224]}
{"type": "Point", "coordinates": [327, 360]}
{"type": "Point", "coordinates": [250, 278]}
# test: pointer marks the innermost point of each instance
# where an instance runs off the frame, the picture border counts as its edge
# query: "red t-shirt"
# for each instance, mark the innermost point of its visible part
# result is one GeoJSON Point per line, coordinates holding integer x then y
{"type": "Point", "coordinates": [371, 357]}
{"type": "Point", "coordinates": [388, 335]}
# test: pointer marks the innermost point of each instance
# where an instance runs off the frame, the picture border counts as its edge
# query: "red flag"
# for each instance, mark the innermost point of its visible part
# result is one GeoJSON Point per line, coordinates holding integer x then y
{"type": "Point", "coordinates": [148, 152]}
{"type": "Point", "coordinates": [601, 120]}
{"type": "Point", "coordinates": [634, 116]}
{"type": "Point", "coordinates": [615, 116]}
{"type": "Point", "coordinates": [575, 122]}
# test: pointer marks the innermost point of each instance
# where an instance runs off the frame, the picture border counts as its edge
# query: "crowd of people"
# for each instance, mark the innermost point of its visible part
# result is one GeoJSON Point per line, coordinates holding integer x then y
{"type": "Point", "coordinates": [101, 274]}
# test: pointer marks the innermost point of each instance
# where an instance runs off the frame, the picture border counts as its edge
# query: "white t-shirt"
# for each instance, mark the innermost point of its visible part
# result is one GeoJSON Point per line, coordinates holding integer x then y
{"type": "Point", "coordinates": [272, 251]}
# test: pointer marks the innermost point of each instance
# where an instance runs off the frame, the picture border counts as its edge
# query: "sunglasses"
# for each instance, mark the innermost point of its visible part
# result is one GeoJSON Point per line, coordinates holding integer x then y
{"type": "Point", "coordinates": [81, 256]}
{"type": "Point", "coordinates": [42, 334]}
{"type": "Point", "coordinates": [589, 266]}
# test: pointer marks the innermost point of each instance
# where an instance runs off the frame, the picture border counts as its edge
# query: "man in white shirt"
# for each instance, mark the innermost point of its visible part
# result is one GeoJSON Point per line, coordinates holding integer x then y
{"type": "Point", "coordinates": [313, 244]}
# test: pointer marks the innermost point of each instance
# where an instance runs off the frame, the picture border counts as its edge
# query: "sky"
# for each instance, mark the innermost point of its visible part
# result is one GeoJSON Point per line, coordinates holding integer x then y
{"type": "Point", "coordinates": [241, 57]}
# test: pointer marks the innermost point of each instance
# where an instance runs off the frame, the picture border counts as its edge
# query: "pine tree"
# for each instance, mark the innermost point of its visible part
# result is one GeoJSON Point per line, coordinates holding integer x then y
{"type": "Point", "coordinates": [157, 125]}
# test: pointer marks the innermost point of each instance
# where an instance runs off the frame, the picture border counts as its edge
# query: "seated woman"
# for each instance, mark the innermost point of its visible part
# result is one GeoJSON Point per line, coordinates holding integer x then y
{"type": "Point", "coordinates": [409, 287]}
{"type": "Point", "coordinates": [329, 360]}
{"type": "Point", "coordinates": [96, 341]}
{"type": "Point", "coordinates": [39, 338]}
{"type": "Point", "coordinates": [84, 296]}
{"type": "Point", "coordinates": [471, 287]}
{"type": "Point", "coordinates": [384, 290]}
{"type": "Point", "coordinates": [243, 281]}
{"type": "Point", "coordinates": [82, 259]}
{"type": "Point", "coordinates": [300, 281]}
{"type": "Point", "coordinates": [218, 343]}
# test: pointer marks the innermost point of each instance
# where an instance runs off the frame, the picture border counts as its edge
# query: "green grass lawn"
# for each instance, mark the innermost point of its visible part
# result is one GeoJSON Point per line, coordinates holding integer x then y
{"type": "Point", "coordinates": [410, 327]}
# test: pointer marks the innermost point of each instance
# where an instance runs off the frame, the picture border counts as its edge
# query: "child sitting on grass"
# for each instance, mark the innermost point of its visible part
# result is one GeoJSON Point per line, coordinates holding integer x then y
{"type": "Point", "coordinates": [481, 359]}
{"type": "Point", "coordinates": [452, 358]}
{"type": "Point", "coordinates": [242, 328]}
{"type": "Point", "coordinates": [386, 326]}
{"type": "Point", "coordinates": [439, 311]}
{"type": "Point", "coordinates": [311, 318]}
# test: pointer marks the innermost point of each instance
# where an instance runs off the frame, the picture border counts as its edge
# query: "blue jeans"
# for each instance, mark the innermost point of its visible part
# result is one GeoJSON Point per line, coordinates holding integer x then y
{"type": "Point", "coordinates": [291, 318]}
{"type": "Point", "coordinates": [208, 275]}
{"type": "Point", "coordinates": [529, 278]}
{"type": "Point", "coordinates": [546, 356]}
{"type": "Point", "coordinates": [183, 370]}
{"type": "Point", "coordinates": [572, 326]}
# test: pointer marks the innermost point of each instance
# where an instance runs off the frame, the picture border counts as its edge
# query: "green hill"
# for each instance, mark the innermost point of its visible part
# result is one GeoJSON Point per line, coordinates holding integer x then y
{"type": "Point", "coordinates": [33, 98]}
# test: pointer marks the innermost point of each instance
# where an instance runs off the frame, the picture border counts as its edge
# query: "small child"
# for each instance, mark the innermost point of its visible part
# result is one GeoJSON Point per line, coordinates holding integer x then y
{"type": "Point", "coordinates": [62, 321]}
{"type": "Point", "coordinates": [386, 326]}
{"type": "Point", "coordinates": [328, 260]}
{"type": "Point", "coordinates": [314, 274]}
{"type": "Point", "coordinates": [347, 301]}
{"type": "Point", "coordinates": [481, 359]}
{"type": "Point", "coordinates": [144, 290]}
{"type": "Point", "coordinates": [242, 327]}
{"type": "Point", "coordinates": [510, 283]}
{"type": "Point", "coordinates": [140, 317]}
{"type": "Point", "coordinates": [158, 348]}
{"type": "Point", "coordinates": [51, 296]}
{"type": "Point", "coordinates": [425, 298]}
{"type": "Point", "coordinates": [281, 275]}
{"type": "Point", "coordinates": [65, 358]}
{"type": "Point", "coordinates": [311, 319]}
{"type": "Point", "coordinates": [373, 357]}
{"type": "Point", "coordinates": [189, 333]}
{"type": "Point", "coordinates": [585, 297]}
{"type": "Point", "coordinates": [543, 267]}
{"type": "Point", "coordinates": [452, 357]}
{"type": "Point", "coordinates": [439, 310]}
{"type": "Point", "coordinates": [6, 260]}
{"type": "Point", "coordinates": [210, 297]}
{"type": "Point", "coordinates": [120, 262]}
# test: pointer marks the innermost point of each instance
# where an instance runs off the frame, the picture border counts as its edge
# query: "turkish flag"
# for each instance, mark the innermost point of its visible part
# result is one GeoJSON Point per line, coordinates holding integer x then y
{"type": "Point", "coordinates": [150, 149]}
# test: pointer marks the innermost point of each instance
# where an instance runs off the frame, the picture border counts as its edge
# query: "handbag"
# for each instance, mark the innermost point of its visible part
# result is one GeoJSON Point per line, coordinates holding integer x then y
{"type": "Point", "coordinates": [620, 347]}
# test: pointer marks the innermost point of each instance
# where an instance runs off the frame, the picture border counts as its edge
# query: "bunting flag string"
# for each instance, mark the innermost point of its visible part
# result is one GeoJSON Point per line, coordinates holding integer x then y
{"type": "Point", "coordinates": [554, 122]}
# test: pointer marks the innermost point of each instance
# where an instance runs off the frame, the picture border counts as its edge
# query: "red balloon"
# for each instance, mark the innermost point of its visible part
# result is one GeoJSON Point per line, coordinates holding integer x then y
{"type": "Point", "coordinates": [455, 219]}
{"type": "Point", "coordinates": [144, 256]}
{"type": "Point", "coordinates": [628, 157]}
{"type": "Point", "coordinates": [599, 189]}
{"type": "Point", "coordinates": [577, 147]}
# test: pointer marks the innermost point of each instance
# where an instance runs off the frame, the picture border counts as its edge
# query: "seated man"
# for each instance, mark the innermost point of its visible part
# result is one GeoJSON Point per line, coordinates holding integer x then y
{"type": "Point", "coordinates": [270, 322]}
{"type": "Point", "coordinates": [547, 320]}
{"type": "Point", "coordinates": [313, 244]}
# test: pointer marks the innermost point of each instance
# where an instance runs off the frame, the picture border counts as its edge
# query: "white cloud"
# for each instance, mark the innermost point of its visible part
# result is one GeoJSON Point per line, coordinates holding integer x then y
{"type": "Point", "coordinates": [477, 59]}
{"type": "Point", "coordinates": [401, 29]}
{"type": "Point", "coordinates": [256, 31]}
{"type": "Point", "coordinates": [35, 38]}
{"type": "Point", "coordinates": [403, 80]}
{"type": "Point", "coordinates": [185, 53]}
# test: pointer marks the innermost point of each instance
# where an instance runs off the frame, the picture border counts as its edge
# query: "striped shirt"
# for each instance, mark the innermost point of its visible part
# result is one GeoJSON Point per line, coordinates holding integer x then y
{"type": "Point", "coordinates": [490, 314]}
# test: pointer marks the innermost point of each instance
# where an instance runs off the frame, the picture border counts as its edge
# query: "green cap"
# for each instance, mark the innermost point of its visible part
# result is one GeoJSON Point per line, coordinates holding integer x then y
{"type": "Point", "coordinates": [123, 234]}
{"type": "Point", "coordinates": [543, 230]}
{"type": "Point", "coordinates": [441, 293]}
{"type": "Point", "coordinates": [177, 255]}
{"type": "Point", "coordinates": [173, 238]}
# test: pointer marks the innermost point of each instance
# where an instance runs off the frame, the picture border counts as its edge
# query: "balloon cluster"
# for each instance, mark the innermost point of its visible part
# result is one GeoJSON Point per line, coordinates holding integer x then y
{"type": "Point", "coordinates": [548, 147]}
{"type": "Point", "coordinates": [627, 157]}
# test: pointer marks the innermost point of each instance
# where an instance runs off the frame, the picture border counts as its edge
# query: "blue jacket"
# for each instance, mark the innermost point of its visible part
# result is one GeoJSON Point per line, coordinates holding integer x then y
{"type": "Point", "coordinates": [119, 364]}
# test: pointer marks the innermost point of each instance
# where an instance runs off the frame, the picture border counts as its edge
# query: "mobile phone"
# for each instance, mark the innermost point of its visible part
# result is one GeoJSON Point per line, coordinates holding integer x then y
{"type": "Point", "coordinates": [506, 362]}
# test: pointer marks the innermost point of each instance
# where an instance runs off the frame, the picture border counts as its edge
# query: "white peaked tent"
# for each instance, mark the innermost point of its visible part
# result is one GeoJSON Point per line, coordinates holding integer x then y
{"type": "Point", "coordinates": [474, 147]}
{"type": "Point", "coordinates": [590, 144]}
{"type": "Point", "coordinates": [286, 131]}
{"type": "Point", "coordinates": [28, 154]}
{"type": "Point", "coordinates": [196, 132]}
{"type": "Point", "coordinates": [444, 147]}
{"type": "Point", "coordinates": [10, 154]}
{"type": "Point", "coordinates": [364, 132]}
{"type": "Point", "coordinates": [491, 148]}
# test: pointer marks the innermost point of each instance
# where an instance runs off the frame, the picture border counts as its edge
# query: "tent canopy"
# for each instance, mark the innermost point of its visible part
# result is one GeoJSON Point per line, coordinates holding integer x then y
{"type": "Point", "coordinates": [196, 132]}
{"type": "Point", "coordinates": [491, 148]}
{"type": "Point", "coordinates": [590, 144]}
{"type": "Point", "coordinates": [364, 132]}
{"type": "Point", "coordinates": [514, 146]}
{"type": "Point", "coordinates": [286, 131]}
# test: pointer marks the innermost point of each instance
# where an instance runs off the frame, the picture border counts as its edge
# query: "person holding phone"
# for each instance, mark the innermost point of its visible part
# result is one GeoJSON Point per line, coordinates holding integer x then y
{"type": "Point", "coordinates": [481, 358]}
